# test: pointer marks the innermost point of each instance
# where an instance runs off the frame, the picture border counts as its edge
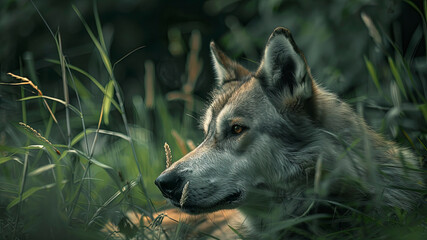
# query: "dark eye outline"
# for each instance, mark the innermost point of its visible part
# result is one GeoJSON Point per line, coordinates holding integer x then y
{"type": "Point", "coordinates": [237, 129]}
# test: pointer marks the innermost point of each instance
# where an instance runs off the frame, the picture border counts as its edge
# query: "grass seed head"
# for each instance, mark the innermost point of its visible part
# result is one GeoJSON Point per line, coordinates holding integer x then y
{"type": "Point", "coordinates": [168, 155]}
{"type": "Point", "coordinates": [158, 220]}
{"type": "Point", "coordinates": [39, 136]}
{"type": "Point", "coordinates": [184, 195]}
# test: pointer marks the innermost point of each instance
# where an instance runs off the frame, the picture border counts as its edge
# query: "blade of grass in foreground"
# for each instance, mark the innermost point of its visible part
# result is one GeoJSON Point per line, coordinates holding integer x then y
{"type": "Point", "coordinates": [21, 191]}
{"type": "Point", "coordinates": [423, 17]}
{"type": "Point", "coordinates": [236, 232]}
{"type": "Point", "coordinates": [103, 52]}
{"type": "Point", "coordinates": [64, 65]}
{"type": "Point", "coordinates": [27, 194]}
{"type": "Point", "coordinates": [24, 169]}
{"type": "Point", "coordinates": [79, 136]}
{"type": "Point", "coordinates": [41, 169]}
{"type": "Point", "coordinates": [26, 81]}
{"type": "Point", "coordinates": [125, 189]}
{"type": "Point", "coordinates": [105, 59]}
{"type": "Point", "coordinates": [54, 99]}
{"type": "Point", "coordinates": [76, 196]}
{"type": "Point", "coordinates": [107, 102]}
{"type": "Point", "coordinates": [64, 85]}
{"type": "Point", "coordinates": [280, 225]}
{"type": "Point", "coordinates": [5, 159]}
{"type": "Point", "coordinates": [99, 85]}
{"type": "Point", "coordinates": [374, 76]}
{"type": "Point", "coordinates": [397, 77]}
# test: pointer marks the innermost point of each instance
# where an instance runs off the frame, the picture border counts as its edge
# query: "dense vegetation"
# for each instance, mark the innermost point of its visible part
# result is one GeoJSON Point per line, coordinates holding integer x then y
{"type": "Point", "coordinates": [103, 86]}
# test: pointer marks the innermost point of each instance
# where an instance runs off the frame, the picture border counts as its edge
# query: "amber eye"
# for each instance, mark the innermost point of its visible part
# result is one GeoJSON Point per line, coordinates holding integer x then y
{"type": "Point", "coordinates": [237, 129]}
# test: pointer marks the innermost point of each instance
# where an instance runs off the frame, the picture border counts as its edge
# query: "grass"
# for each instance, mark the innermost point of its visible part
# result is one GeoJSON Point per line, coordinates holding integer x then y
{"type": "Point", "coordinates": [73, 180]}
{"type": "Point", "coordinates": [72, 174]}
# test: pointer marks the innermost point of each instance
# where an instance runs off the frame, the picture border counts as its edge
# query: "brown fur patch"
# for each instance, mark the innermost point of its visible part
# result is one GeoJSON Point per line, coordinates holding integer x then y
{"type": "Point", "coordinates": [214, 224]}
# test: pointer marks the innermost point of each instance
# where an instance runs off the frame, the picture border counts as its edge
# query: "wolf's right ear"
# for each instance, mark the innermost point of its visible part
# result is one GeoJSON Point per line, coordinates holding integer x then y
{"type": "Point", "coordinates": [226, 69]}
{"type": "Point", "coordinates": [284, 71]}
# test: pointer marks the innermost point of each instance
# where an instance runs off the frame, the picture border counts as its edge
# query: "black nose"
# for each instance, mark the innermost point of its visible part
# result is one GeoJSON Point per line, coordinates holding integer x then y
{"type": "Point", "coordinates": [170, 184]}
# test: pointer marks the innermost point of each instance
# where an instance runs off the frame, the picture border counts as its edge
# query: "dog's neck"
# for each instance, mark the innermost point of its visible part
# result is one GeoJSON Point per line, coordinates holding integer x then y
{"type": "Point", "coordinates": [273, 206]}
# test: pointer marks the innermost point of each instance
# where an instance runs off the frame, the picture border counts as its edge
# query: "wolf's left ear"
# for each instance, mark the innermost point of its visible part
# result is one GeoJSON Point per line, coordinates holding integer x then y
{"type": "Point", "coordinates": [284, 71]}
{"type": "Point", "coordinates": [226, 69]}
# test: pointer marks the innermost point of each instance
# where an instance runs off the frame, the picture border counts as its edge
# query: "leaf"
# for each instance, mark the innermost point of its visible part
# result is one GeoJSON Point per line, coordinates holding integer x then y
{"type": "Point", "coordinates": [98, 25]}
{"type": "Point", "coordinates": [28, 193]}
{"type": "Point", "coordinates": [54, 99]}
{"type": "Point", "coordinates": [107, 103]}
{"type": "Point", "coordinates": [373, 31]}
{"type": "Point", "coordinates": [99, 85]}
{"type": "Point", "coordinates": [236, 232]}
{"type": "Point", "coordinates": [5, 159]}
{"type": "Point", "coordinates": [42, 169]}
{"type": "Point", "coordinates": [99, 164]}
{"type": "Point", "coordinates": [397, 77]}
{"type": "Point", "coordinates": [4, 148]}
{"type": "Point", "coordinates": [124, 189]}
{"type": "Point", "coordinates": [423, 109]}
{"type": "Point", "coordinates": [373, 73]}
{"type": "Point", "coordinates": [424, 146]}
{"type": "Point", "coordinates": [280, 225]}
{"type": "Point", "coordinates": [79, 136]}
{"type": "Point", "coordinates": [101, 50]}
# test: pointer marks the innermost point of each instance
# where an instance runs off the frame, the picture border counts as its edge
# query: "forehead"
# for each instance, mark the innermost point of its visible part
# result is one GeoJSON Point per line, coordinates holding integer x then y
{"type": "Point", "coordinates": [240, 96]}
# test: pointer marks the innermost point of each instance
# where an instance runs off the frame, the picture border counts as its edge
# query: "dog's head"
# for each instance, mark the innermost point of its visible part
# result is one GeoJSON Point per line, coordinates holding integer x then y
{"type": "Point", "coordinates": [257, 132]}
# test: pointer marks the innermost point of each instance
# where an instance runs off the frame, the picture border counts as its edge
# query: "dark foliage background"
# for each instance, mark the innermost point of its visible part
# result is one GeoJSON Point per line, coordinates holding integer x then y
{"type": "Point", "coordinates": [331, 33]}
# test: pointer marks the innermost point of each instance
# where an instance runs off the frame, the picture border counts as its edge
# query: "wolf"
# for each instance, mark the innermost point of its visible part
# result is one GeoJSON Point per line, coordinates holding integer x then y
{"type": "Point", "coordinates": [279, 148]}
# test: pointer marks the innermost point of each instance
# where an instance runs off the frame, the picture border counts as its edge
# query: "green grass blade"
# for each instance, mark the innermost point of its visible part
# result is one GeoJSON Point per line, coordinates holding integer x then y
{"type": "Point", "coordinates": [236, 232]}
{"type": "Point", "coordinates": [98, 25]}
{"type": "Point", "coordinates": [101, 50]}
{"type": "Point", "coordinates": [24, 196]}
{"type": "Point", "coordinates": [64, 86]}
{"type": "Point", "coordinates": [22, 185]}
{"type": "Point", "coordinates": [425, 10]}
{"type": "Point", "coordinates": [423, 109]}
{"type": "Point", "coordinates": [373, 74]}
{"type": "Point", "coordinates": [422, 144]}
{"type": "Point", "coordinates": [99, 85]}
{"type": "Point", "coordinates": [5, 159]}
{"type": "Point", "coordinates": [50, 122]}
{"type": "Point", "coordinates": [280, 225]}
{"type": "Point", "coordinates": [41, 169]}
{"type": "Point", "coordinates": [127, 55]}
{"type": "Point", "coordinates": [411, 78]}
{"type": "Point", "coordinates": [397, 77]}
{"type": "Point", "coordinates": [27, 194]}
{"type": "Point", "coordinates": [423, 17]}
{"type": "Point", "coordinates": [79, 136]}
{"type": "Point", "coordinates": [90, 159]}
{"type": "Point", "coordinates": [12, 150]}
{"type": "Point", "coordinates": [100, 164]}
{"type": "Point", "coordinates": [23, 106]}
{"type": "Point", "coordinates": [56, 100]}
{"type": "Point", "coordinates": [108, 66]}
{"type": "Point", "coordinates": [107, 103]}
{"type": "Point", "coordinates": [416, 8]}
{"type": "Point", "coordinates": [408, 138]}
{"type": "Point", "coordinates": [125, 189]}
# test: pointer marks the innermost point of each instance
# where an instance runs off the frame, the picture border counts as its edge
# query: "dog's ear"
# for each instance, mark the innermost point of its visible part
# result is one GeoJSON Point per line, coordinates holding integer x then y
{"type": "Point", "coordinates": [226, 69]}
{"type": "Point", "coordinates": [283, 71]}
